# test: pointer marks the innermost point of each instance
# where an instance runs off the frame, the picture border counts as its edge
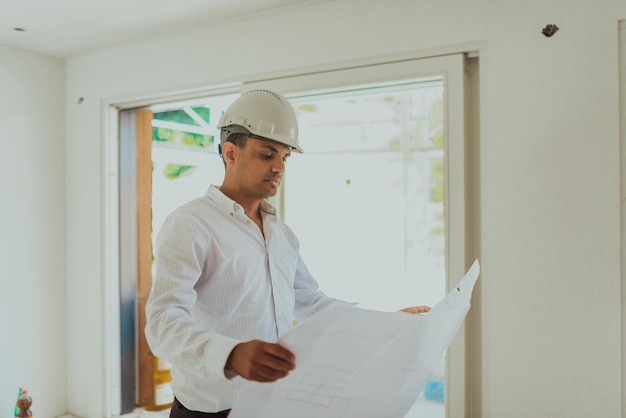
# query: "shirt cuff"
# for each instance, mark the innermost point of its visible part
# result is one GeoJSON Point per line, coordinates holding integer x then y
{"type": "Point", "coordinates": [217, 354]}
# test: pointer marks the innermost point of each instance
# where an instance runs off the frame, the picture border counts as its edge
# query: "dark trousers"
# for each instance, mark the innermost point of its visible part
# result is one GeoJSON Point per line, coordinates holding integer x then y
{"type": "Point", "coordinates": [179, 411]}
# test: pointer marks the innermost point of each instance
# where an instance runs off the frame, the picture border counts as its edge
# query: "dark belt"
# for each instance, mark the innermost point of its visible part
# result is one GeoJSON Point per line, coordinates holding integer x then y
{"type": "Point", "coordinates": [179, 411]}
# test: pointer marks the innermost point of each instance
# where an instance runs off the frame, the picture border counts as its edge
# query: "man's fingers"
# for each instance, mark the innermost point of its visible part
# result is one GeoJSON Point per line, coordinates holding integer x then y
{"type": "Point", "coordinates": [267, 374]}
{"type": "Point", "coordinates": [278, 363]}
{"type": "Point", "coordinates": [274, 361]}
{"type": "Point", "coordinates": [281, 354]}
{"type": "Point", "coordinates": [261, 361]}
{"type": "Point", "coordinates": [416, 309]}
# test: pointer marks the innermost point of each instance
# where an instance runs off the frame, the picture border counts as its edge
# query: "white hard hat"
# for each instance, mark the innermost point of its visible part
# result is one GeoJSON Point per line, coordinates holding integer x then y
{"type": "Point", "coordinates": [261, 113]}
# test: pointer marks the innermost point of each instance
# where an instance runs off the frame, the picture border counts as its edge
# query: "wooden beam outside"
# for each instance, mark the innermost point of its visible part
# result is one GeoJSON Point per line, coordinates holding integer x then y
{"type": "Point", "coordinates": [145, 358]}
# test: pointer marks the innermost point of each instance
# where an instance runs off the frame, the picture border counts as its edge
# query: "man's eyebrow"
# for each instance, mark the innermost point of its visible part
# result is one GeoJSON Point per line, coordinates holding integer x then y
{"type": "Point", "coordinates": [273, 149]}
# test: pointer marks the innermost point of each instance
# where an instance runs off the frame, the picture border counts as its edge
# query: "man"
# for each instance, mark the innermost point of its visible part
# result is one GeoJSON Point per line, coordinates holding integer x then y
{"type": "Point", "coordinates": [229, 276]}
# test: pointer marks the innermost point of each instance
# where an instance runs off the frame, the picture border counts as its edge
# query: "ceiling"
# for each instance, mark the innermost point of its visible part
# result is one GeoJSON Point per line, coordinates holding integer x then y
{"type": "Point", "coordinates": [66, 28]}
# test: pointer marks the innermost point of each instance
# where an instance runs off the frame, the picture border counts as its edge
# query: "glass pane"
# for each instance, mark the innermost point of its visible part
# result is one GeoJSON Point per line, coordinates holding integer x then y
{"type": "Point", "coordinates": [367, 200]}
{"type": "Point", "coordinates": [184, 155]}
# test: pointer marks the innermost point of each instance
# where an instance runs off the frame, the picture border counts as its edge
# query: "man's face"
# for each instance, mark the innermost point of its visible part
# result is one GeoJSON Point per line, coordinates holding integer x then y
{"type": "Point", "coordinates": [260, 166]}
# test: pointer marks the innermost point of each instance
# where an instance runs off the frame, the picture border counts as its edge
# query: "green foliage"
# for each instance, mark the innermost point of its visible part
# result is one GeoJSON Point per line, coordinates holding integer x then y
{"type": "Point", "coordinates": [437, 191]}
{"type": "Point", "coordinates": [395, 144]}
{"type": "Point", "coordinates": [307, 107]}
{"type": "Point", "coordinates": [435, 119]}
{"type": "Point", "coordinates": [180, 116]}
{"type": "Point", "coordinates": [171, 136]}
{"type": "Point", "coordinates": [204, 112]}
{"type": "Point", "coordinates": [438, 230]}
{"type": "Point", "coordinates": [181, 137]}
{"type": "Point", "coordinates": [174, 171]}
{"type": "Point", "coordinates": [438, 139]}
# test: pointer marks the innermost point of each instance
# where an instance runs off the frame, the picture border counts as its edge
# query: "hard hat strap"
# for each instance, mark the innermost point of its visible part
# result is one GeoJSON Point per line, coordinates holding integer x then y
{"type": "Point", "coordinates": [229, 130]}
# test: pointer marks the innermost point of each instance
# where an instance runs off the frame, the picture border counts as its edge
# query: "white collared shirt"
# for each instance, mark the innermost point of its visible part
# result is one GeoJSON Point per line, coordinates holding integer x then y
{"type": "Point", "coordinates": [218, 282]}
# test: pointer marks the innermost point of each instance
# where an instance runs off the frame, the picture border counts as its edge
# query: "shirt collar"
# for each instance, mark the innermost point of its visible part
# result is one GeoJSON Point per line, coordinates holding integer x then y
{"type": "Point", "coordinates": [225, 202]}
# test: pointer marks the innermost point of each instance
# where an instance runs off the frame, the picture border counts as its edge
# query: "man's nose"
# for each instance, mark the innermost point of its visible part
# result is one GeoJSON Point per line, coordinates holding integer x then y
{"type": "Point", "coordinates": [278, 166]}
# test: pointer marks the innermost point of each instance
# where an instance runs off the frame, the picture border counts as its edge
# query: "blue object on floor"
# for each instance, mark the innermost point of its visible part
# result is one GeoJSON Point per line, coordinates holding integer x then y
{"type": "Point", "coordinates": [434, 390]}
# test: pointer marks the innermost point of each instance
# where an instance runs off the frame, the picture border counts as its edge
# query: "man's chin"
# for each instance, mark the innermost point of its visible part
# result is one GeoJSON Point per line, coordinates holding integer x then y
{"type": "Point", "coordinates": [270, 192]}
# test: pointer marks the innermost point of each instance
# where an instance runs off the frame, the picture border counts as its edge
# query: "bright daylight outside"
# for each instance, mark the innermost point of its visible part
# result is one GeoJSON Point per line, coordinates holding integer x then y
{"type": "Point", "coordinates": [366, 199]}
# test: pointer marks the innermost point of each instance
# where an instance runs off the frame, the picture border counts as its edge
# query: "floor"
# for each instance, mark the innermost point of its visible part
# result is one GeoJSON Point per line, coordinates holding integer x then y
{"type": "Point", "coordinates": [140, 413]}
{"type": "Point", "coordinates": [423, 409]}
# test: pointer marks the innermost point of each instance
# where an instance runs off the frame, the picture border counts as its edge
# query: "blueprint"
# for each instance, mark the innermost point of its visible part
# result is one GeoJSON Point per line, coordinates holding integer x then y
{"type": "Point", "coordinates": [360, 363]}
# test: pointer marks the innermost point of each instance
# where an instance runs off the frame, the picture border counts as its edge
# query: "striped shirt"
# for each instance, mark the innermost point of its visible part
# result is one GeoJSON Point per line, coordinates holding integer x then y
{"type": "Point", "coordinates": [219, 281]}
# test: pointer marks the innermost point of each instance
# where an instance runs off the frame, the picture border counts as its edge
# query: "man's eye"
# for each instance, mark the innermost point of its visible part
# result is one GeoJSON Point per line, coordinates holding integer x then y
{"type": "Point", "coordinates": [267, 156]}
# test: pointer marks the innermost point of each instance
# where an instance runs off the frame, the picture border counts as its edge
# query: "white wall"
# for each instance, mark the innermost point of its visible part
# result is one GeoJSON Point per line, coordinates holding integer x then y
{"type": "Point", "coordinates": [549, 173]}
{"type": "Point", "coordinates": [622, 99]}
{"type": "Point", "coordinates": [32, 231]}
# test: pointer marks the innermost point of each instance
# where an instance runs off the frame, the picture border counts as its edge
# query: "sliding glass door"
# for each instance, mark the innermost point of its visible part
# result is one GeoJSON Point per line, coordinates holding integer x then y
{"type": "Point", "coordinates": [378, 199]}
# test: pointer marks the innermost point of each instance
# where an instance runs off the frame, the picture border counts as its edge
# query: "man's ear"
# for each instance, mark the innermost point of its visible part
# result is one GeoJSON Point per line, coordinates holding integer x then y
{"type": "Point", "coordinates": [228, 151]}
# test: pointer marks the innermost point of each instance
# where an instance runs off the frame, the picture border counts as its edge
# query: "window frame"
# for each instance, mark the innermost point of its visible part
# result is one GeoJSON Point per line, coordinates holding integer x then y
{"type": "Point", "coordinates": [457, 199]}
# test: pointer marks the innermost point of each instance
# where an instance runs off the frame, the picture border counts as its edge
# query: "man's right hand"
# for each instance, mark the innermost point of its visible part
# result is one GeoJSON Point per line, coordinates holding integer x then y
{"type": "Point", "coordinates": [261, 361]}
